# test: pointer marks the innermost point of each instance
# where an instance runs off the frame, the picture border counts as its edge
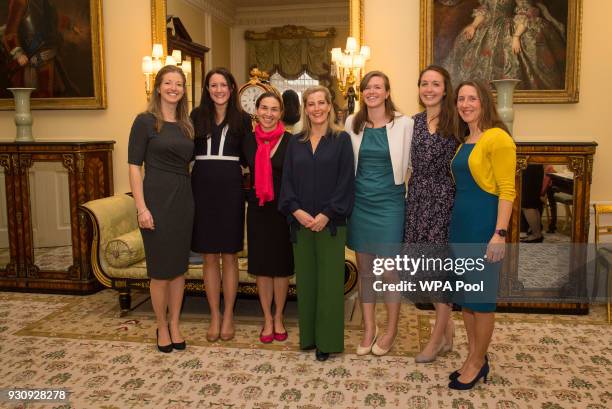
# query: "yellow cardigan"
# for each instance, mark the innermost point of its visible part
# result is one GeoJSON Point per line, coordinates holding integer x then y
{"type": "Point", "coordinates": [492, 163]}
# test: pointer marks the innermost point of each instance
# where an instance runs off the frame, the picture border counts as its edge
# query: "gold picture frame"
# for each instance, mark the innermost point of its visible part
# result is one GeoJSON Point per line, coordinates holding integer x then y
{"type": "Point", "coordinates": [435, 40]}
{"type": "Point", "coordinates": [158, 21]}
{"type": "Point", "coordinates": [84, 85]}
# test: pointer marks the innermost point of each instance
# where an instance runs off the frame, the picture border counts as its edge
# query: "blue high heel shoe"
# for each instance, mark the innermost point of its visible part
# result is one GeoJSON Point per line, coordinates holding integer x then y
{"type": "Point", "coordinates": [483, 373]}
{"type": "Point", "coordinates": [456, 374]}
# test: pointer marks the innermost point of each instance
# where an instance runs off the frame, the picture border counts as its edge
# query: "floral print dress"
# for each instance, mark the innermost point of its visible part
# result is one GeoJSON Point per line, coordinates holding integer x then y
{"type": "Point", "coordinates": [431, 189]}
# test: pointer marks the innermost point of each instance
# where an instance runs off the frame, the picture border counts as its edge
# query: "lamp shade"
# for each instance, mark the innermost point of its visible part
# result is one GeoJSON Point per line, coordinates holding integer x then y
{"type": "Point", "coordinates": [186, 66]}
{"type": "Point", "coordinates": [176, 54]}
{"type": "Point", "coordinates": [158, 51]}
{"type": "Point", "coordinates": [157, 65]}
{"type": "Point", "coordinates": [170, 60]}
{"type": "Point", "coordinates": [147, 65]}
{"type": "Point", "coordinates": [351, 44]}
{"type": "Point", "coordinates": [365, 52]}
{"type": "Point", "coordinates": [358, 61]}
{"type": "Point", "coordinates": [347, 61]}
{"type": "Point", "coordinates": [336, 54]}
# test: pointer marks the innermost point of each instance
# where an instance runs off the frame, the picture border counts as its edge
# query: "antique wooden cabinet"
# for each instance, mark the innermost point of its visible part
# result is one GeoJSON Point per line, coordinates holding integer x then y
{"type": "Point", "coordinates": [44, 239]}
{"type": "Point", "coordinates": [551, 276]}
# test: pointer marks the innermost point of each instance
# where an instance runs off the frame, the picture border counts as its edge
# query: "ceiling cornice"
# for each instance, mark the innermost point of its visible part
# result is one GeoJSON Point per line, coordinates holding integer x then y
{"type": "Point", "coordinates": [333, 14]}
{"type": "Point", "coordinates": [223, 10]}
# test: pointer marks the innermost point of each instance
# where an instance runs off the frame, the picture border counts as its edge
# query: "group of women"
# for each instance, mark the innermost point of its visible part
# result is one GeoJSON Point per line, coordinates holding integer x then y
{"type": "Point", "coordinates": [313, 193]}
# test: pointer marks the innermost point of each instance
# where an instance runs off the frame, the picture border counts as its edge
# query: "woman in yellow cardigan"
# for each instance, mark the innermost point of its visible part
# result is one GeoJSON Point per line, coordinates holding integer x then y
{"type": "Point", "coordinates": [483, 168]}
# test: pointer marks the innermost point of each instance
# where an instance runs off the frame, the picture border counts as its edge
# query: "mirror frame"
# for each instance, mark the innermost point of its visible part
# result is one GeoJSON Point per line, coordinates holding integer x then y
{"type": "Point", "coordinates": [578, 157]}
{"type": "Point", "coordinates": [158, 21]}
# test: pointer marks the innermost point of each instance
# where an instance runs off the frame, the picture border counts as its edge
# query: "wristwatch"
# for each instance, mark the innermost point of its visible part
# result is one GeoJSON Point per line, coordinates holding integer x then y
{"type": "Point", "coordinates": [502, 232]}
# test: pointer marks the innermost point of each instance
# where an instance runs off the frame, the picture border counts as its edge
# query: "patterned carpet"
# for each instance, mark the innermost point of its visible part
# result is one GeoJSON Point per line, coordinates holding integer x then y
{"type": "Point", "coordinates": [110, 362]}
{"type": "Point", "coordinates": [46, 258]}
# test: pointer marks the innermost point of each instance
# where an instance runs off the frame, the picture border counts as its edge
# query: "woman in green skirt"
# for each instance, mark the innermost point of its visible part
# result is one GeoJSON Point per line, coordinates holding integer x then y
{"type": "Point", "coordinates": [317, 192]}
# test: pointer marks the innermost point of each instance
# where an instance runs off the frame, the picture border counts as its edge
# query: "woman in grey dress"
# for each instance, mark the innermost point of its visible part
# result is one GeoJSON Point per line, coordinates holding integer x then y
{"type": "Point", "coordinates": [162, 138]}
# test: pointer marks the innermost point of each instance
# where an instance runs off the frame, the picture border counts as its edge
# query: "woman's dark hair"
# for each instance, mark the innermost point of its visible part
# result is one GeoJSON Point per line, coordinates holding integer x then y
{"type": "Point", "coordinates": [291, 101]}
{"type": "Point", "coordinates": [269, 94]}
{"type": "Point", "coordinates": [447, 119]}
{"type": "Point", "coordinates": [361, 117]}
{"type": "Point", "coordinates": [489, 117]}
{"type": "Point", "coordinates": [233, 114]}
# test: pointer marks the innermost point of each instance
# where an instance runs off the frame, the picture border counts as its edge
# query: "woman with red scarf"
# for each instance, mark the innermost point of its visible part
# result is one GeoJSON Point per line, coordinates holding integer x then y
{"type": "Point", "coordinates": [270, 255]}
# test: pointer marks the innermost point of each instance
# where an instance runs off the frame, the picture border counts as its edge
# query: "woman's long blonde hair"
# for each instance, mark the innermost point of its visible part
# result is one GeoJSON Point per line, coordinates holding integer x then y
{"type": "Point", "coordinates": [306, 126]}
{"type": "Point", "coordinates": [182, 108]}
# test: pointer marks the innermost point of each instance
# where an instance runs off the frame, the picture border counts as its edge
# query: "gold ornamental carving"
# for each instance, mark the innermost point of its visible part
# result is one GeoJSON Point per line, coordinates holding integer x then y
{"type": "Point", "coordinates": [521, 163]}
{"type": "Point", "coordinates": [25, 162]}
{"type": "Point", "coordinates": [138, 283]}
{"type": "Point", "coordinates": [290, 32]}
{"type": "Point", "coordinates": [589, 169]}
{"type": "Point", "coordinates": [15, 162]}
{"type": "Point", "coordinates": [576, 165]}
{"type": "Point", "coordinates": [5, 162]}
{"type": "Point", "coordinates": [68, 162]}
{"type": "Point", "coordinates": [32, 270]}
{"type": "Point", "coordinates": [80, 162]}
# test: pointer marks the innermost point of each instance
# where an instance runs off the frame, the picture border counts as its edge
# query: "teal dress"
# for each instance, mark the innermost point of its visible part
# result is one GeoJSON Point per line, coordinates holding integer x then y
{"type": "Point", "coordinates": [473, 222]}
{"type": "Point", "coordinates": [376, 225]}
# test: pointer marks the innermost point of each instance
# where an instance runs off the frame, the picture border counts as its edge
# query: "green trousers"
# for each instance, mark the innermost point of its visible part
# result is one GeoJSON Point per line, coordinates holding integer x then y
{"type": "Point", "coordinates": [319, 269]}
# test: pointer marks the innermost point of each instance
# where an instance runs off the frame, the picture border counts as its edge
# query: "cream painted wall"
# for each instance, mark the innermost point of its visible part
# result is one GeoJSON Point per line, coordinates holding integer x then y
{"type": "Point", "coordinates": [127, 37]}
{"type": "Point", "coordinates": [191, 17]}
{"type": "Point", "coordinates": [221, 44]}
{"type": "Point", "coordinates": [584, 121]}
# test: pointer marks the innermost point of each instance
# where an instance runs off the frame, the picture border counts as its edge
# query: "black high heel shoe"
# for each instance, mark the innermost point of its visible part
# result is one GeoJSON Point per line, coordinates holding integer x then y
{"type": "Point", "coordinates": [166, 349]}
{"type": "Point", "coordinates": [456, 374]}
{"type": "Point", "coordinates": [180, 346]}
{"type": "Point", "coordinates": [483, 373]}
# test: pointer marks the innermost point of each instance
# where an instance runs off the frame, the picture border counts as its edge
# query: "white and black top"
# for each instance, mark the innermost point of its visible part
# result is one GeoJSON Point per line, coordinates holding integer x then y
{"type": "Point", "coordinates": [216, 181]}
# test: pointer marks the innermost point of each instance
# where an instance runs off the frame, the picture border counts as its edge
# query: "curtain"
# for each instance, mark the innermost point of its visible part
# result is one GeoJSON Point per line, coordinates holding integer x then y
{"type": "Point", "coordinates": [291, 56]}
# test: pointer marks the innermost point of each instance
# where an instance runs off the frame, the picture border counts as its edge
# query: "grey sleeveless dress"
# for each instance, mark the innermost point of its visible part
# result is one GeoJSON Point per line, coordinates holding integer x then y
{"type": "Point", "coordinates": [167, 193]}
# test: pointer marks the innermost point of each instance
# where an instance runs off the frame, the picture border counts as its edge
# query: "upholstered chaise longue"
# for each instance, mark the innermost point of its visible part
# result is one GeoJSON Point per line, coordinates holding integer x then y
{"type": "Point", "coordinates": [118, 259]}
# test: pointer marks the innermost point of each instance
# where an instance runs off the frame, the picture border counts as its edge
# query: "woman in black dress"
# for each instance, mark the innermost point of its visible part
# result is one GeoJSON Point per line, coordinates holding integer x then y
{"type": "Point", "coordinates": [431, 190]}
{"type": "Point", "coordinates": [218, 230]}
{"type": "Point", "coordinates": [162, 139]}
{"type": "Point", "coordinates": [270, 253]}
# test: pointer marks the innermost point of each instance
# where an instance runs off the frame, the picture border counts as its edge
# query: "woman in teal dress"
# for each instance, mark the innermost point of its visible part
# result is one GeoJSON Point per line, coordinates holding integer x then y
{"type": "Point", "coordinates": [484, 170]}
{"type": "Point", "coordinates": [381, 146]}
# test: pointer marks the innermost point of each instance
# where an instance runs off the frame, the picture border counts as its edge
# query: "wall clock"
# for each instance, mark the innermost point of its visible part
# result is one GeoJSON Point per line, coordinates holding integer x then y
{"type": "Point", "coordinates": [249, 92]}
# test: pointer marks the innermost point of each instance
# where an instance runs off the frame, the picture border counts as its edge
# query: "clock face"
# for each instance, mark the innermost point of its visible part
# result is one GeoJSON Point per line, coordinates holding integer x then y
{"type": "Point", "coordinates": [248, 96]}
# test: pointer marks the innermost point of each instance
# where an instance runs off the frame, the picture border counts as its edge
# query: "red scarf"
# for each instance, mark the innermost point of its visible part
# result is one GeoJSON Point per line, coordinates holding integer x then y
{"type": "Point", "coordinates": [266, 141]}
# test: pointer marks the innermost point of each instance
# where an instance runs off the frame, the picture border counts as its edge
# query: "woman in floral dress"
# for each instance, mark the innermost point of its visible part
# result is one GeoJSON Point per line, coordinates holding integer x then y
{"type": "Point", "coordinates": [431, 190]}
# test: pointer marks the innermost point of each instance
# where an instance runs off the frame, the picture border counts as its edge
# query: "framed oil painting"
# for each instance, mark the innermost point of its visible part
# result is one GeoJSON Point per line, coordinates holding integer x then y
{"type": "Point", "coordinates": [55, 46]}
{"type": "Point", "coordinates": [534, 41]}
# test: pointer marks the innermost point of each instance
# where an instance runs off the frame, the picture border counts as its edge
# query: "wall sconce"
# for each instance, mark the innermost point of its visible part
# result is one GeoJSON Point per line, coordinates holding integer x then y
{"type": "Point", "coordinates": [153, 63]}
{"type": "Point", "coordinates": [347, 66]}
